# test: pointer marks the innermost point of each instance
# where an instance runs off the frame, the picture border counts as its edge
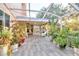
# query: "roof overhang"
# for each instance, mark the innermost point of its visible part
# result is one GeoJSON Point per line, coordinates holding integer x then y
{"type": "Point", "coordinates": [33, 21]}
{"type": "Point", "coordinates": [24, 18]}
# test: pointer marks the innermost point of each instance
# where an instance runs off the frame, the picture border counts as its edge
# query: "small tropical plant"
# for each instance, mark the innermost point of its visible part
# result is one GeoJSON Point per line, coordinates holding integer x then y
{"type": "Point", "coordinates": [62, 42]}
{"type": "Point", "coordinates": [62, 38]}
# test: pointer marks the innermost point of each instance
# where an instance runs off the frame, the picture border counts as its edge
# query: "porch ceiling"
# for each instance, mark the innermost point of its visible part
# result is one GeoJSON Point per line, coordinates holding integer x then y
{"type": "Point", "coordinates": [32, 22]}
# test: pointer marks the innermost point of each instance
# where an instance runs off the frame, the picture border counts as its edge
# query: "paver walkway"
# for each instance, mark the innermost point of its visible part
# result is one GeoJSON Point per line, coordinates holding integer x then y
{"type": "Point", "coordinates": [41, 46]}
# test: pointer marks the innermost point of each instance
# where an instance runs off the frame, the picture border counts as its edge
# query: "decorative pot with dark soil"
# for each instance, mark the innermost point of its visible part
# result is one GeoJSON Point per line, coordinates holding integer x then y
{"type": "Point", "coordinates": [62, 46]}
{"type": "Point", "coordinates": [61, 42]}
{"type": "Point", "coordinates": [62, 38]}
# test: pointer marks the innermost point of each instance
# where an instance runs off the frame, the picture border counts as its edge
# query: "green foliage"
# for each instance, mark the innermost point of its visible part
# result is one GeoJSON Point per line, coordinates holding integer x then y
{"type": "Point", "coordinates": [61, 41]}
{"type": "Point", "coordinates": [5, 36]}
{"type": "Point", "coordinates": [74, 39]}
{"type": "Point", "coordinates": [53, 28]}
{"type": "Point", "coordinates": [53, 31]}
{"type": "Point", "coordinates": [62, 36]}
{"type": "Point", "coordinates": [58, 35]}
{"type": "Point", "coordinates": [6, 33]}
{"type": "Point", "coordinates": [75, 42]}
{"type": "Point", "coordinates": [14, 39]}
{"type": "Point", "coordinates": [41, 14]}
{"type": "Point", "coordinates": [56, 9]}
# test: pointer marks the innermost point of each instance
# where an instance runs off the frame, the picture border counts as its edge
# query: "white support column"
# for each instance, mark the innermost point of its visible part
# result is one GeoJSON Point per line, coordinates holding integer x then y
{"type": "Point", "coordinates": [60, 22]}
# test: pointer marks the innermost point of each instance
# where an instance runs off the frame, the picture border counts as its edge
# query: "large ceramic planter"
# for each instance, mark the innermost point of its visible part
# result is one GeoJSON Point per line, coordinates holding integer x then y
{"type": "Point", "coordinates": [14, 48]}
{"type": "Point", "coordinates": [3, 50]}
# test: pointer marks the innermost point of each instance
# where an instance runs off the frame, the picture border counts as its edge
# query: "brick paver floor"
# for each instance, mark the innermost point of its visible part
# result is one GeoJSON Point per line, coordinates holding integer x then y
{"type": "Point", "coordinates": [41, 46]}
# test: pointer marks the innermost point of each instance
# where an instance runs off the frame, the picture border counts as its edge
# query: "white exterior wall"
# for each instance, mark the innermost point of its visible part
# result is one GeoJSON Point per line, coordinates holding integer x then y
{"type": "Point", "coordinates": [5, 10]}
{"type": "Point", "coordinates": [36, 30]}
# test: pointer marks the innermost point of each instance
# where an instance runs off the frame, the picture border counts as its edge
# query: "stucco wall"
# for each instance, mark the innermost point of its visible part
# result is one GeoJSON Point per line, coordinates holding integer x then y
{"type": "Point", "coordinates": [5, 10]}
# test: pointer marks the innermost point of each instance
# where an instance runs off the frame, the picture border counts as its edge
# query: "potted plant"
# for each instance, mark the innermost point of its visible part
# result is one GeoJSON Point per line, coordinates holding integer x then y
{"type": "Point", "coordinates": [5, 38]}
{"type": "Point", "coordinates": [14, 42]}
{"type": "Point", "coordinates": [19, 30]}
{"type": "Point", "coordinates": [61, 38]}
{"type": "Point", "coordinates": [21, 38]}
{"type": "Point", "coordinates": [62, 42]}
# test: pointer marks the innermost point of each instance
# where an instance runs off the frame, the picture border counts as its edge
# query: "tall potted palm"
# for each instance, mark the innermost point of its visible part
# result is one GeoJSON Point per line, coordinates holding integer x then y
{"type": "Point", "coordinates": [5, 39]}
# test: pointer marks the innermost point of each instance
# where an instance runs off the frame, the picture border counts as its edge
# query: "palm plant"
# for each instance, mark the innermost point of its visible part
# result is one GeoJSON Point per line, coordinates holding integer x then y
{"type": "Point", "coordinates": [5, 40]}
{"type": "Point", "coordinates": [5, 36]}
{"type": "Point", "coordinates": [62, 38]}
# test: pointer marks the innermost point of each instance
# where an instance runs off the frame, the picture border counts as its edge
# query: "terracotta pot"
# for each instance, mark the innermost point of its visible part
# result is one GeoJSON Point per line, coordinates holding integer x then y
{"type": "Point", "coordinates": [22, 40]}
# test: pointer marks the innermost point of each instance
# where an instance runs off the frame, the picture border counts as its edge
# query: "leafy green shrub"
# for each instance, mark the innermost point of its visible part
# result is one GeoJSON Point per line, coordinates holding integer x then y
{"type": "Point", "coordinates": [5, 36]}
{"type": "Point", "coordinates": [75, 42]}
{"type": "Point", "coordinates": [62, 37]}
{"type": "Point", "coordinates": [54, 31]}
{"type": "Point", "coordinates": [61, 41]}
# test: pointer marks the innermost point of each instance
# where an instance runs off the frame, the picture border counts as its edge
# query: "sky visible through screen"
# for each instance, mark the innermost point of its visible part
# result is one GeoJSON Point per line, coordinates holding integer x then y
{"type": "Point", "coordinates": [38, 6]}
{"type": "Point", "coordinates": [33, 6]}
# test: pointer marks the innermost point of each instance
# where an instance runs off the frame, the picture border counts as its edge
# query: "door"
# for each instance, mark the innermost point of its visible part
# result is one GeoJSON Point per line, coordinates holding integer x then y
{"type": "Point", "coordinates": [30, 29]}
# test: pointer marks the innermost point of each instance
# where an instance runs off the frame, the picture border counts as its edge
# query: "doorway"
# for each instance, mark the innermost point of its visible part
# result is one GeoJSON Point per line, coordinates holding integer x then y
{"type": "Point", "coordinates": [30, 29]}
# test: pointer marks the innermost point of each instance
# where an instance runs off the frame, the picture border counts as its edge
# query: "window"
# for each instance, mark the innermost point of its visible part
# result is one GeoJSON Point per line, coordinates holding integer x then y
{"type": "Point", "coordinates": [7, 20]}
{"type": "Point", "coordinates": [77, 4]}
{"type": "Point", "coordinates": [1, 13]}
